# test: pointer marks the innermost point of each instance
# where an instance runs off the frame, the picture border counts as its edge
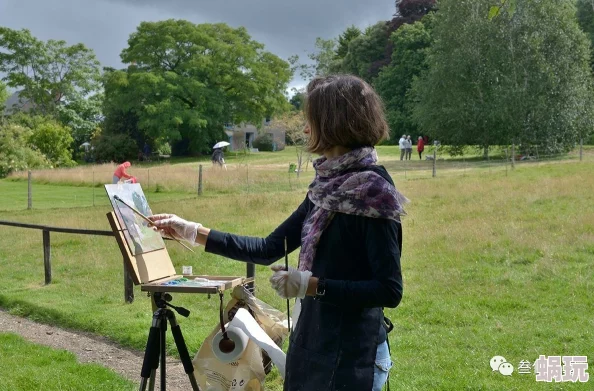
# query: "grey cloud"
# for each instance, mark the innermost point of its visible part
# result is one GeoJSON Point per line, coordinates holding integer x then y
{"type": "Point", "coordinates": [285, 27]}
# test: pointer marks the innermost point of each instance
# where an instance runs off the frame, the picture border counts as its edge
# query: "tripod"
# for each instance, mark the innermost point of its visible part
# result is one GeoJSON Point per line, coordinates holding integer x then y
{"type": "Point", "coordinates": [155, 346]}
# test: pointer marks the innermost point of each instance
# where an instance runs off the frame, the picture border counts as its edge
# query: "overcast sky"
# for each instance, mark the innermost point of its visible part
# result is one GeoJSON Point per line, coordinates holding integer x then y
{"type": "Point", "coordinates": [285, 27]}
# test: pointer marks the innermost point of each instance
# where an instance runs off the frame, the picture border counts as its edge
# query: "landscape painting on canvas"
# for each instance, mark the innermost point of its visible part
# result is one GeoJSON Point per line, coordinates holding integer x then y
{"type": "Point", "coordinates": [141, 238]}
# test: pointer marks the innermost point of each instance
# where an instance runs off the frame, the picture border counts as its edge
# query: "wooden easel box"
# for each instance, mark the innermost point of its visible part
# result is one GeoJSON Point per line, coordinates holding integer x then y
{"type": "Point", "coordinates": [151, 270]}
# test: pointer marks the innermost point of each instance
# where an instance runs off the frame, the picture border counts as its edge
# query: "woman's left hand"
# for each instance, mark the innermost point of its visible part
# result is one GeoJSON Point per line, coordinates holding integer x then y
{"type": "Point", "coordinates": [289, 283]}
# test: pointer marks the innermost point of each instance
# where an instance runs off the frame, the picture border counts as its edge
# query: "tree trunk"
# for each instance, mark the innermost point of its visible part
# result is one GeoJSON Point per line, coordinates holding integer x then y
{"type": "Point", "coordinates": [513, 157]}
{"type": "Point", "coordinates": [581, 148]}
{"type": "Point", "coordinates": [486, 152]}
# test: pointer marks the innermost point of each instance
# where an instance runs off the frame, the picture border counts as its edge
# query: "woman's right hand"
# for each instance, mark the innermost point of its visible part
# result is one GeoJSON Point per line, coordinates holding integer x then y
{"type": "Point", "coordinates": [175, 226]}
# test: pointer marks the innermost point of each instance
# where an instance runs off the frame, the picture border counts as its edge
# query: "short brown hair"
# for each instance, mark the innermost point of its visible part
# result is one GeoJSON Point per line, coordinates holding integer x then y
{"type": "Point", "coordinates": [343, 110]}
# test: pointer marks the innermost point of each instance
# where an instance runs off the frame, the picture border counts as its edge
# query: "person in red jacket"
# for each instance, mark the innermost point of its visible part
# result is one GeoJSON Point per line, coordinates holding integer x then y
{"type": "Point", "coordinates": [420, 147]}
{"type": "Point", "coordinates": [121, 174]}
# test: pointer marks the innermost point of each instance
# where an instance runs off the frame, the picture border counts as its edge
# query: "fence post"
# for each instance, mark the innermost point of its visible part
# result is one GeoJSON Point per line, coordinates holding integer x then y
{"type": "Point", "coordinates": [93, 187]}
{"type": "Point", "coordinates": [250, 272]}
{"type": "Point", "coordinates": [513, 157]}
{"type": "Point", "coordinates": [581, 148]}
{"type": "Point", "coordinates": [128, 285]}
{"type": "Point", "coordinates": [29, 192]}
{"type": "Point", "coordinates": [47, 264]}
{"type": "Point", "coordinates": [200, 179]}
{"type": "Point", "coordinates": [434, 160]}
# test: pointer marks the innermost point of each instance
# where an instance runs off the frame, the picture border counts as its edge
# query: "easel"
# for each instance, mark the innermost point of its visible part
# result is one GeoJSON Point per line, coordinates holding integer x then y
{"type": "Point", "coordinates": [152, 270]}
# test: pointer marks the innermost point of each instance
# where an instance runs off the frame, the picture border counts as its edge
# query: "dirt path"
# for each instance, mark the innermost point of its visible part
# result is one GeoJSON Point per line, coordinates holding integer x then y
{"type": "Point", "coordinates": [92, 349]}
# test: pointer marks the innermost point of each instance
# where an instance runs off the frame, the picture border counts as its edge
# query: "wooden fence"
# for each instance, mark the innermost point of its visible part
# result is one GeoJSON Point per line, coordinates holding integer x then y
{"type": "Point", "coordinates": [47, 264]}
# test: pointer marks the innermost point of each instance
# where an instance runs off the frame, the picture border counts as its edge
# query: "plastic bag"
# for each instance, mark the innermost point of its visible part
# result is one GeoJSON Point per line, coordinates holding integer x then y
{"type": "Point", "coordinates": [249, 371]}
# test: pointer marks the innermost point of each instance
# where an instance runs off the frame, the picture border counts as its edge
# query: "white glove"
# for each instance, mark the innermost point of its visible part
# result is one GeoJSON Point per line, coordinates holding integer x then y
{"type": "Point", "coordinates": [175, 226]}
{"type": "Point", "coordinates": [289, 283]}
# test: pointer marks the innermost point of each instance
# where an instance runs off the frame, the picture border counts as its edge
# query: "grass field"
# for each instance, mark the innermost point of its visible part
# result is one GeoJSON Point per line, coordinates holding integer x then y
{"type": "Point", "coordinates": [493, 264]}
{"type": "Point", "coordinates": [41, 368]}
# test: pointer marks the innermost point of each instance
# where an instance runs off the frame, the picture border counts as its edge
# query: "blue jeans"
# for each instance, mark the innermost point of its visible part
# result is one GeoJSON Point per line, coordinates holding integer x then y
{"type": "Point", "coordinates": [383, 363]}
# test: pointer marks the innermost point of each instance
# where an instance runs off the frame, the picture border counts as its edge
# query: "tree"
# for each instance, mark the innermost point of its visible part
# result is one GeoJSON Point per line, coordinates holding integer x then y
{"type": "Point", "coordinates": [585, 16]}
{"type": "Point", "coordinates": [15, 152]}
{"type": "Point", "coordinates": [185, 81]}
{"type": "Point", "coordinates": [345, 39]}
{"type": "Point", "coordinates": [293, 123]}
{"type": "Point", "coordinates": [516, 74]}
{"type": "Point", "coordinates": [365, 50]}
{"type": "Point", "coordinates": [394, 82]}
{"type": "Point", "coordinates": [4, 94]}
{"type": "Point", "coordinates": [49, 73]}
{"type": "Point", "coordinates": [49, 137]}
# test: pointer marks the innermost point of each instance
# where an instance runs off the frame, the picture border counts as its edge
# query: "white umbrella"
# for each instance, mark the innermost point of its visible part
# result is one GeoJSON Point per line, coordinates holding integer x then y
{"type": "Point", "coordinates": [220, 144]}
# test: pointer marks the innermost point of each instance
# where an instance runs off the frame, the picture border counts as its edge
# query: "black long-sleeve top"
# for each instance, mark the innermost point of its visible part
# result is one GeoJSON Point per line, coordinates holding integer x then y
{"type": "Point", "coordinates": [350, 243]}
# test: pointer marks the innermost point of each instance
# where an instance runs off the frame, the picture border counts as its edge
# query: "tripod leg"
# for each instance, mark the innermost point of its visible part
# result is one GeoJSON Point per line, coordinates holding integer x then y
{"type": "Point", "coordinates": [151, 354]}
{"type": "Point", "coordinates": [180, 343]}
{"type": "Point", "coordinates": [163, 351]}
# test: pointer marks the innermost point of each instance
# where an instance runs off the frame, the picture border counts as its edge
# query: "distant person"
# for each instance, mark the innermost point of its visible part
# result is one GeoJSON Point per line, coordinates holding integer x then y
{"type": "Point", "coordinates": [146, 151]}
{"type": "Point", "coordinates": [402, 146]}
{"type": "Point", "coordinates": [408, 147]}
{"type": "Point", "coordinates": [218, 157]}
{"type": "Point", "coordinates": [420, 147]}
{"type": "Point", "coordinates": [121, 174]}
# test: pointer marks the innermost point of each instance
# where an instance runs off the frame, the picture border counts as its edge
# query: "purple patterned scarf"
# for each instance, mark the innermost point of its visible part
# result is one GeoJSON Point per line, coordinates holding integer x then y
{"type": "Point", "coordinates": [341, 185]}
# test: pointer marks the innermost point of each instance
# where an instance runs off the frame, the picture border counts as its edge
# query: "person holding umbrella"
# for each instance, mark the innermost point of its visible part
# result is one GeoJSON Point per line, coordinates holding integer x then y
{"type": "Point", "coordinates": [217, 154]}
{"type": "Point", "coordinates": [349, 231]}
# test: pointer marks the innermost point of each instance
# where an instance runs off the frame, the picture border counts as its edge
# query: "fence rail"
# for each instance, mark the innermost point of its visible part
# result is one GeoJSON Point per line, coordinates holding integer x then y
{"type": "Point", "coordinates": [128, 283]}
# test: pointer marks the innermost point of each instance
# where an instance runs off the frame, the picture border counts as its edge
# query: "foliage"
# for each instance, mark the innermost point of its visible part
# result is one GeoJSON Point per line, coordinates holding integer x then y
{"type": "Point", "coordinates": [264, 142]}
{"type": "Point", "coordinates": [16, 153]}
{"type": "Point", "coordinates": [293, 123]}
{"type": "Point", "coordinates": [53, 140]}
{"type": "Point", "coordinates": [4, 95]}
{"type": "Point", "coordinates": [82, 115]}
{"type": "Point", "coordinates": [518, 75]}
{"type": "Point", "coordinates": [365, 50]}
{"type": "Point", "coordinates": [345, 39]}
{"type": "Point", "coordinates": [185, 81]}
{"type": "Point", "coordinates": [410, 43]}
{"type": "Point", "coordinates": [114, 148]}
{"type": "Point", "coordinates": [164, 148]}
{"type": "Point", "coordinates": [49, 73]}
{"type": "Point", "coordinates": [298, 98]}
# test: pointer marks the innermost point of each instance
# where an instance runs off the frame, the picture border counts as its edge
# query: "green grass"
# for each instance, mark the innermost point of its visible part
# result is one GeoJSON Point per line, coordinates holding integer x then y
{"type": "Point", "coordinates": [493, 264]}
{"type": "Point", "coordinates": [26, 366]}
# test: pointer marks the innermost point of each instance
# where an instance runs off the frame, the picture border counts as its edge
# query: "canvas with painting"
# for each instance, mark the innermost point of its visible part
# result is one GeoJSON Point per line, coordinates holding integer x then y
{"type": "Point", "coordinates": [140, 237]}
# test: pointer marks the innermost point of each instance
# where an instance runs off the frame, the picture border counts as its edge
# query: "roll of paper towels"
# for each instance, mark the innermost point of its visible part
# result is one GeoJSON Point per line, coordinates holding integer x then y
{"type": "Point", "coordinates": [244, 321]}
{"type": "Point", "coordinates": [236, 335]}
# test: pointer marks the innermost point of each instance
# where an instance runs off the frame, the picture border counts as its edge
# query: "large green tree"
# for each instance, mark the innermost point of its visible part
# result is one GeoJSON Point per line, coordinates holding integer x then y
{"type": "Point", "coordinates": [186, 80]}
{"type": "Point", "coordinates": [410, 43]}
{"type": "Point", "coordinates": [56, 78]}
{"type": "Point", "coordinates": [517, 72]}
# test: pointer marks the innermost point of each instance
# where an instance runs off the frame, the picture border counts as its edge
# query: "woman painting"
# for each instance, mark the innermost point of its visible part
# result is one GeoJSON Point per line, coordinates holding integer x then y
{"type": "Point", "coordinates": [348, 228]}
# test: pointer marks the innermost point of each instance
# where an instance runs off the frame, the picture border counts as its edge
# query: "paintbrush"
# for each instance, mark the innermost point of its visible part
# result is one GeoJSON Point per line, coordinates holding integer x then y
{"type": "Point", "coordinates": [115, 197]}
{"type": "Point", "coordinates": [287, 269]}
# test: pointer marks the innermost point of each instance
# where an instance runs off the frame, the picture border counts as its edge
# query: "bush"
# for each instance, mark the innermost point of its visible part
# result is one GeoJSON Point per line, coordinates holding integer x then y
{"type": "Point", "coordinates": [264, 143]}
{"type": "Point", "coordinates": [15, 152]}
{"type": "Point", "coordinates": [114, 148]}
{"type": "Point", "coordinates": [53, 140]}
